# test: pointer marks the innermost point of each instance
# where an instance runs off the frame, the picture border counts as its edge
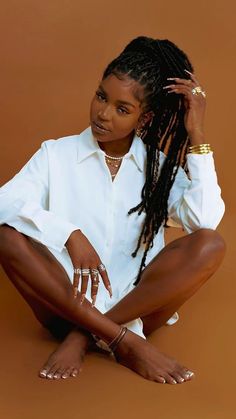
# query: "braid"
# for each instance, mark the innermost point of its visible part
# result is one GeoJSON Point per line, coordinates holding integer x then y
{"type": "Point", "coordinates": [150, 62]}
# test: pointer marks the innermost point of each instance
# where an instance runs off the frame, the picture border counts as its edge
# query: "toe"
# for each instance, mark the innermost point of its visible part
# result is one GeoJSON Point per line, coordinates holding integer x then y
{"type": "Point", "coordinates": [178, 377]}
{"type": "Point", "coordinates": [170, 379]}
{"type": "Point", "coordinates": [43, 373]}
{"type": "Point", "coordinates": [45, 370]}
{"type": "Point", "coordinates": [75, 372]}
{"type": "Point", "coordinates": [160, 379]}
{"type": "Point", "coordinates": [58, 373]}
{"type": "Point", "coordinates": [52, 371]}
{"type": "Point", "coordinates": [67, 372]}
{"type": "Point", "coordinates": [186, 374]}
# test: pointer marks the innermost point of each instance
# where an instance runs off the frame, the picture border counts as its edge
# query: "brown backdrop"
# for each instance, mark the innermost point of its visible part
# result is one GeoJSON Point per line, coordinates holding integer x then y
{"type": "Point", "coordinates": [52, 56]}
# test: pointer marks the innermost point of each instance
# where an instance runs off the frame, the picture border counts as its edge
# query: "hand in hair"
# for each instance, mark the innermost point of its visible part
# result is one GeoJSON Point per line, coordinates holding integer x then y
{"type": "Point", "coordinates": [194, 104]}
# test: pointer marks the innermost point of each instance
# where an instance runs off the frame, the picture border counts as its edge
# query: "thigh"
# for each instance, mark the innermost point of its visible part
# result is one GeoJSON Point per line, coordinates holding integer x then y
{"type": "Point", "coordinates": [42, 310]}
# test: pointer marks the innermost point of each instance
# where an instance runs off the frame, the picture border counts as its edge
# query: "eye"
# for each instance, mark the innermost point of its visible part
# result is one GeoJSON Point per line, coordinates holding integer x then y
{"type": "Point", "coordinates": [98, 94]}
{"type": "Point", "coordinates": [123, 110]}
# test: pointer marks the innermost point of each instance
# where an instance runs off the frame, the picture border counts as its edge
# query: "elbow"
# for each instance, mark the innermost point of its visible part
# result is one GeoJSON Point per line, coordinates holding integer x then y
{"type": "Point", "coordinates": [212, 219]}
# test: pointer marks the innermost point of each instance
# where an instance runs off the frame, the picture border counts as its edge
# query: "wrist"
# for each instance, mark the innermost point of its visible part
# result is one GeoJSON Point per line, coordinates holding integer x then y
{"type": "Point", "coordinates": [71, 237]}
{"type": "Point", "coordinates": [197, 139]}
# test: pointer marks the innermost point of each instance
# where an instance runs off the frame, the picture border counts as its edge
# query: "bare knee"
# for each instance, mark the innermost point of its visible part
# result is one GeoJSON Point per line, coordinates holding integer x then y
{"type": "Point", "coordinates": [10, 240]}
{"type": "Point", "coordinates": [211, 245]}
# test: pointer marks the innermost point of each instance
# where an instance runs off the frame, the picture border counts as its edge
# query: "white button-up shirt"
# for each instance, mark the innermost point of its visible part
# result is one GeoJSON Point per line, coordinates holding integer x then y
{"type": "Point", "coordinates": [66, 185]}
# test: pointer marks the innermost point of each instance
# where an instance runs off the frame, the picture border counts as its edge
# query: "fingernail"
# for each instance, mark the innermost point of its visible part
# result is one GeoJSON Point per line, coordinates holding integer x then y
{"type": "Point", "coordinates": [93, 302]}
{"type": "Point", "coordinates": [171, 78]}
{"type": "Point", "coordinates": [110, 290]}
{"type": "Point", "coordinates": [82, 298]}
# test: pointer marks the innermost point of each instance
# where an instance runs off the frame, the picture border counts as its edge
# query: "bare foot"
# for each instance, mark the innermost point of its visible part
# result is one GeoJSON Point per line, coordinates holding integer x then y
{"type": "Point", "coordinates": [142, 357]}
{"type": "Point", "coordinates": [67, 360]}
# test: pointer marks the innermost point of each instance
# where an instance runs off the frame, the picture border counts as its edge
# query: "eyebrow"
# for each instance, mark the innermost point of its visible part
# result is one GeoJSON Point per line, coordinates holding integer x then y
{"type": "Point", "coordinates": [119, 101]}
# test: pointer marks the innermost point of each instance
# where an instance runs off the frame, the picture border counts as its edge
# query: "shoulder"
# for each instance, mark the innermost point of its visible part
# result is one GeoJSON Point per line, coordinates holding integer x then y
{"type": "Point", "coordinates": [61, 144]}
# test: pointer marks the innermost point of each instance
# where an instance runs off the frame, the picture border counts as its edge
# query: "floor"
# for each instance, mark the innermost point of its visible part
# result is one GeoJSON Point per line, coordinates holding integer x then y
{"type": "Point", "coordinates": [203, 339]}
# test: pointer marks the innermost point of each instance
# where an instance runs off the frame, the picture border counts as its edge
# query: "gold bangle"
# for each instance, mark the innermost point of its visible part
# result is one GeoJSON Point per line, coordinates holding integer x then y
{"type": "Point", "coordinates": [200, 149]}
{"type": "Point", "coordinates": [199, 152]}
{"type": "Point", "coordinates": [199, 146]}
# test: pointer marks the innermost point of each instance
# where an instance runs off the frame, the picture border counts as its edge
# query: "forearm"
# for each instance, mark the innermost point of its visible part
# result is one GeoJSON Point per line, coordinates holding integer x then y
{"type": "Point", "coordinates": [57, 292]}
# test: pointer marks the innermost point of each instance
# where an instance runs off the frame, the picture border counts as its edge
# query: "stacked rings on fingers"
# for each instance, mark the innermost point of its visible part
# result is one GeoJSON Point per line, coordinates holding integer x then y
{"type": "Point", "coordinates": [95, 278]}
{"type": "Point", "coordinates": [101, 267]}
{"type": "Point", "coordinates": [85, 272]}
{"type": "Point", "coordinates": [77, 270]}
{"type": "Point", "coordinates": [95, 271]}
{"type": "Point", "coordinates": [198, 90]}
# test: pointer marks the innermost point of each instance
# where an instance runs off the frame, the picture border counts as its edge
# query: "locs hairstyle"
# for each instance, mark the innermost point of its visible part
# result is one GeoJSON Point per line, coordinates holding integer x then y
{"type": "Point", "coordinates": [150, 61]}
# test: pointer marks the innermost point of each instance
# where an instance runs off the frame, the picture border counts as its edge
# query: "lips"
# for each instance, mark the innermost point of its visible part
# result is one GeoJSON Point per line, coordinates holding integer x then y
{"type": "Point", "coordinates": [101, 126]}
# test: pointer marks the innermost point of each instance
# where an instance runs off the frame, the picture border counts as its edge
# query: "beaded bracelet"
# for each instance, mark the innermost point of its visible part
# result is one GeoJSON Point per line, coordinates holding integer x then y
{"type": "Point", "coordinates": [199, 149]}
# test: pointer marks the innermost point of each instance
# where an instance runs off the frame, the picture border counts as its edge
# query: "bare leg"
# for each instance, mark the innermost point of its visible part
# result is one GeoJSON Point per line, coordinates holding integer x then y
{"type": "Point", "coordinates": [128, 316]}
{"type": "Point", "coordinates": [171, 278]}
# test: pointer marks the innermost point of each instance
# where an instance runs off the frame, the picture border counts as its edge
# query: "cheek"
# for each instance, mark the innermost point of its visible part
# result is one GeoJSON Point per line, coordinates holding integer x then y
{"type": "Point", "coordinates": [94, 106]}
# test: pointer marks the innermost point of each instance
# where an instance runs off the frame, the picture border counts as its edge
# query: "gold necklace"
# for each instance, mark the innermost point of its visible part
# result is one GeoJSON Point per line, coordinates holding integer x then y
{"type": "Point", "coordinates": [113, 163]}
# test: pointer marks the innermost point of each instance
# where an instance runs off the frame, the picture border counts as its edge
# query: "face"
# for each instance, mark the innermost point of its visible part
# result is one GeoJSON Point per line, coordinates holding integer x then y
{"type": "Point", "coordinates": [116, 106]}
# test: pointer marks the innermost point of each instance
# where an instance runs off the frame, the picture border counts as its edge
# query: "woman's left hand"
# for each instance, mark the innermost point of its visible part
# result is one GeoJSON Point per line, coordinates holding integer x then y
{"type": "Point", "coordinates": [195, 104]}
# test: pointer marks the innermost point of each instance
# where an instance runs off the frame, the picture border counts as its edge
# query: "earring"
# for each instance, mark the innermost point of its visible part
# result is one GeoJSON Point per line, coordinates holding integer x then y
{"type": "Point", "coordinates": [141, 132]}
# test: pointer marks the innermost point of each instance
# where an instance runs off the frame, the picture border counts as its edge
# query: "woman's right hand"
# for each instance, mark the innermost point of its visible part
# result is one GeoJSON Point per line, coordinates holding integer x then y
{"type": "Point", "coordinates": [84, 256]}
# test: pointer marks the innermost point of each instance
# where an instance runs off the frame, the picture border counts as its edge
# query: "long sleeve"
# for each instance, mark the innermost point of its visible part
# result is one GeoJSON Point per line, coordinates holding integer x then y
{"type": "Point", "coordinates": [196, 202]}
{"type": "Point", "coordinates": [24, 203]}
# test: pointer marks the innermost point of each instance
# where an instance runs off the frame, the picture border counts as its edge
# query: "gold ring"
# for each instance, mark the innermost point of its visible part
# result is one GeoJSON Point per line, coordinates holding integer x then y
{"type": "Point", "coordinates": [198, 90]}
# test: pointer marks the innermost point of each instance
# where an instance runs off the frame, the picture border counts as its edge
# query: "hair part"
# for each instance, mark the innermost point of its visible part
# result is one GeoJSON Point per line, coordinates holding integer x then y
{"type": "Point", "coordinates": [150, 62]}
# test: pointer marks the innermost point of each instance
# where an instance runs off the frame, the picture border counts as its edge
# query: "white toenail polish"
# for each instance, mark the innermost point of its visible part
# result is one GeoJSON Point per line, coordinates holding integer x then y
{"type": "Point", "coordinates": [181, 379]}
{"type": "Point", "coordinates": [175, 382]}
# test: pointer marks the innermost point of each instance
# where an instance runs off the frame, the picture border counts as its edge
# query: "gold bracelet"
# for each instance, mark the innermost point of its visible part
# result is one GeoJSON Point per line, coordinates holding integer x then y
{"type": "Point", "coordinates": [199, 149]}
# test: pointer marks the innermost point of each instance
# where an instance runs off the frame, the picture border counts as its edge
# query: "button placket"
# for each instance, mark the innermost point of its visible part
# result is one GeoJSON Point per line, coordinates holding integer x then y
{"type": "Point", "coordinates": [110, 220]}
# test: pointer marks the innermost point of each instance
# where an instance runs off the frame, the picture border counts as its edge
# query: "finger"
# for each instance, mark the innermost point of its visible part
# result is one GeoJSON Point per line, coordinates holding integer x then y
{"type": "Point", "coordinates": [84, 285]}
{"type": "Point", "coordinates": [186, 91]}
{"type": "Point", "coordinates": [76, 280]}
{"type": "Point", "coordinates": [106, 280]}
{"type": "Point", "coordinates": [186, 82]}
{"type": "Point", "coordinates": [94, 285]}
{"type": "Point", "coordinates": [193, 77]}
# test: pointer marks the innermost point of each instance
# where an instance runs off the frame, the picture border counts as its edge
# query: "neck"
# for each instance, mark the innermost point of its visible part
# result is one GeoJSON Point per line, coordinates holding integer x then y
{"type": "Point", "coordinates": [117, 148]}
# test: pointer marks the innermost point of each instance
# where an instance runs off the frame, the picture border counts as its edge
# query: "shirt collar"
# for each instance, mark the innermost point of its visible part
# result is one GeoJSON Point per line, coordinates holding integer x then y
{"type": "Point", "coordinates": [88, 145]}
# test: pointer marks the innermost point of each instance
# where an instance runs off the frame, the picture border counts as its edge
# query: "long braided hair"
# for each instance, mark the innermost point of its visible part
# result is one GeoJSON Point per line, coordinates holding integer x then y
{"type": "Point", "coordinates": [150, 62]}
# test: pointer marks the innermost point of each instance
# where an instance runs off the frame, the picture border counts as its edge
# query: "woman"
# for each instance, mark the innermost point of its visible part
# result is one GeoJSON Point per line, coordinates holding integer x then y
{"type": "Point", "coordinates": [94, 206]}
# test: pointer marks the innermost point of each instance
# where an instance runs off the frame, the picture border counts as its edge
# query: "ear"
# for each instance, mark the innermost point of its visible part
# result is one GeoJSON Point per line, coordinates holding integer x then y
{"type": "Point", "coordinates": [146, 117]}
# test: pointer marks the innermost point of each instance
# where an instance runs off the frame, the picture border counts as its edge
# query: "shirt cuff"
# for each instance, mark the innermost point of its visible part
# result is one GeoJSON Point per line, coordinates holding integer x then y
{"type": "Point", "coordinates": [201, 166]}
{"type": "Point", "coordinates": [53, 230]}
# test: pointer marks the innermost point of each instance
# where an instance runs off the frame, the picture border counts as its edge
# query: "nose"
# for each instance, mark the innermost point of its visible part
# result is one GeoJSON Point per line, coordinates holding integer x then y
{"type": "Point", "coordinates": [104, 113]}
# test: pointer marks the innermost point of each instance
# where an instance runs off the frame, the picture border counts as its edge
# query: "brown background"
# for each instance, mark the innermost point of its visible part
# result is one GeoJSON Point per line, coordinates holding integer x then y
{"type": "Point", "coordinates": [52, 56]}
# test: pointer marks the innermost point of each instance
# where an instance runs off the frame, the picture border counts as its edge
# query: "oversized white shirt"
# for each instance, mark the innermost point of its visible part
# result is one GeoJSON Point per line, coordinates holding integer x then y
{"type": "Point", "coordinates": [66, 185]}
